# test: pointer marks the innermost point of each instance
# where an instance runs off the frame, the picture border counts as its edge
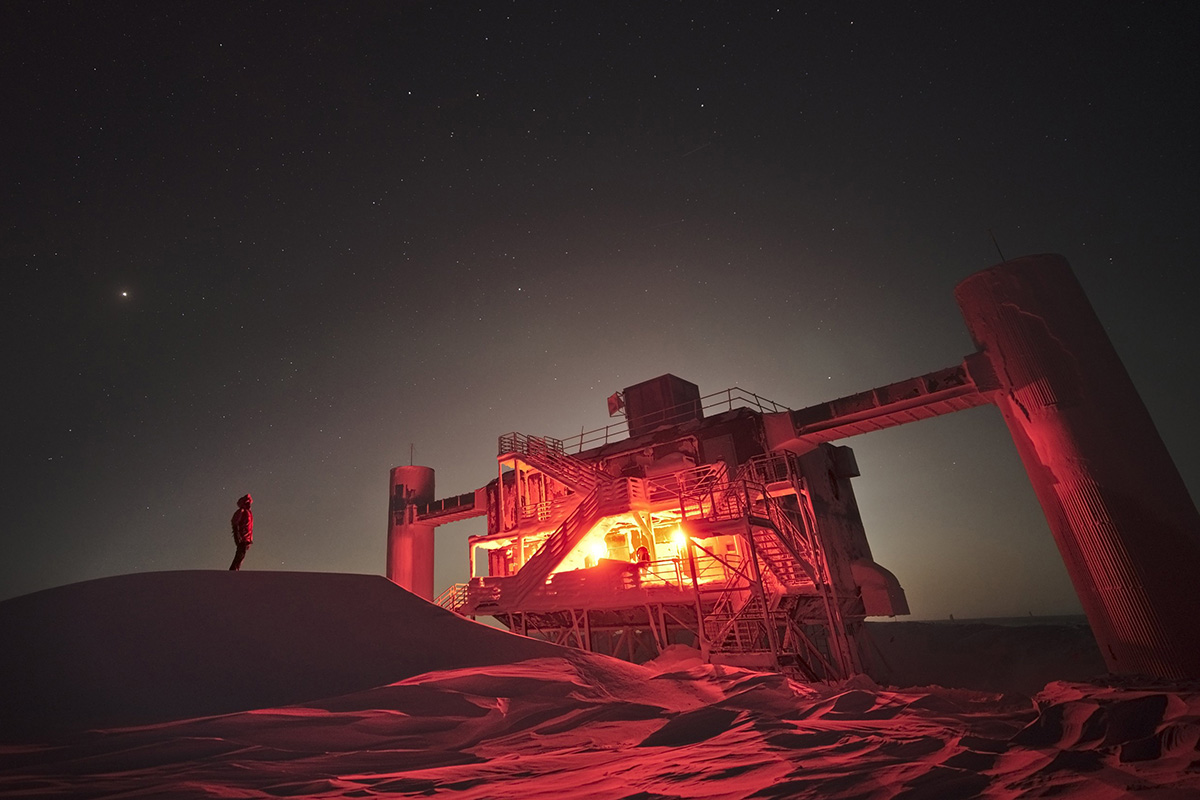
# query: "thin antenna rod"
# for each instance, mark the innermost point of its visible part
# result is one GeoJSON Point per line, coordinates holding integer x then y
{"type": "Point", "coordinates": [410, 452]}
{"type": "Point", "coordinates": [1002, 258]}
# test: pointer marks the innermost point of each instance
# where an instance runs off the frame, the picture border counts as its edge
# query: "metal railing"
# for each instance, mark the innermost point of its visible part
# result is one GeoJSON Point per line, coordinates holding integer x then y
{"type": "Point", "coordinates": [716, 502]}
{"type": "Point", "coordinates": [546, 509]}
{"type": "Point", "coordinates": [739, 633]}
{"type": "Point", "coordinates": [712, 570]}
{"type": "Point", "coordinates": [524, 443]}
{"type": "Point", "coordinates": [769, 468]}
{"type": "Point", "coordinates": [546, 454]}
{"type": "Point", "coordinates": [726, 400]}
{"type": "Point", "coordinates": [535, 571]}
{"type": "Point", "coordinates": [453, 598]}
{"type": "Point", "coordinates": [617, 495]}
{"type": "Point", "coordinates": [698, 480]}
{"type": "Point", "coordinates": [662, 572]}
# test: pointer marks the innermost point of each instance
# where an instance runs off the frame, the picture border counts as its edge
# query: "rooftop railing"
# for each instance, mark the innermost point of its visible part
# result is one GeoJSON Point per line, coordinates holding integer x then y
{"type": "Point", "coordinates": [715, 403]}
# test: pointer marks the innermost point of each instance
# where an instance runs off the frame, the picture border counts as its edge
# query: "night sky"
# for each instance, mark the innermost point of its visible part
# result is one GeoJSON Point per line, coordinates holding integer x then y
{"type": "Point", "coordinates": [269, 248]}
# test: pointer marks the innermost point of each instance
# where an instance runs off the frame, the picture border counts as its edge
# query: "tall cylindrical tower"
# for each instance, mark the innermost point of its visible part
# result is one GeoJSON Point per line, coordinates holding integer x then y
{"type": "Point", "coordinates": [409, 543]}
{"type": "Point", "coordinates": [1119, 510]}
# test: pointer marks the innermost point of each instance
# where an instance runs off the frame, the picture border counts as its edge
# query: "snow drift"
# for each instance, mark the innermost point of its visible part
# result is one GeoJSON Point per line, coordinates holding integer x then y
{"type": "Point", "coordinates": [150, 647]}
{"type": "Point", "coordinates": [470, 711]}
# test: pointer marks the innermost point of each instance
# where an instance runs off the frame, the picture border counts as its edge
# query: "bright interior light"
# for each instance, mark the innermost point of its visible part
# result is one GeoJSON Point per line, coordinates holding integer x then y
{"type": "Point", "coordinates": [598, 549]}
{"type": "Point", "coordinates": [679, 538]}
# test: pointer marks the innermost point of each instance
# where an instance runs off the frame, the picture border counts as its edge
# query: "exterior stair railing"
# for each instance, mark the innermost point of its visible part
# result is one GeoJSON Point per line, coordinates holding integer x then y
{"type": "Point", "coordinates": [564, 539]}
{"type": "Point", "coordinates": [798, 529]}
{"type": "Point", "coordinates": [698, 481]}
{"type": "Point", "coordinates": [791, 548]}
{"type": "Point", "coordinates": [453, 598]}
{"type": "Point", "coordinates": [786, 542]}
{"type": "Point", "coordinates": [546, 454]}
{"type": "Point", "coordinates": [743, 632]}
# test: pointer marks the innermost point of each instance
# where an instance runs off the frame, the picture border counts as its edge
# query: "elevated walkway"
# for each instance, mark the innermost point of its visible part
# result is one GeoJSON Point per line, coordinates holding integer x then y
{"type": "Point", "coordinates": [452, 509]}
{"type": "Point", "coordinates": [926, 396]}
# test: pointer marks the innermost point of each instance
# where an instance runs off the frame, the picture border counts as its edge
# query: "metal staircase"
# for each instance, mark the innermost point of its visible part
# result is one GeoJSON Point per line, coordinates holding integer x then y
{"type": "Point", "coordinates": [795, 541]}
{"type": "Point", "coordinates": [797, 530]}
{"type": "Point", "coordinates": [787, 567]}
{"type": "Point", "coordinates": [564, 539]}
{"type": "Point", "coordinates": [738, 631]}
{"type": "Point", "coordinates": [547, 455]}
{"type": "Point", "coordinates": [790, 565]}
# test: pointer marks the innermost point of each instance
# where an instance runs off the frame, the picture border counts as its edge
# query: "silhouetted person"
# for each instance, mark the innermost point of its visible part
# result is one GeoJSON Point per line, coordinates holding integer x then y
{"type": "Point", "coordinates": [243, 530]}
{"type": "Point", "coordinates": [641, 562]}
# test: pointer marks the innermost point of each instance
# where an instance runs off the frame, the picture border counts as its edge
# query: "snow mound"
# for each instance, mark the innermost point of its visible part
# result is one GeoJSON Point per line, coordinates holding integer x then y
{"type": "Point", "coordinates": [580, 725]}
{"type": "Point", "coordinates": [1142, 722]}
{"type": "Point", "coordinates": [151, 647]}
{"type": "Point", "coordinates": [350, 687]}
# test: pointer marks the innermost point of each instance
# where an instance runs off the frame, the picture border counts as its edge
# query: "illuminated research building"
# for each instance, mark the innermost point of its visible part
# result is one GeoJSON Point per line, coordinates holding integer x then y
{"type": "Point", "coordinates": [728, 523]}
{"type": "Point", "coordinates": [681, 524]}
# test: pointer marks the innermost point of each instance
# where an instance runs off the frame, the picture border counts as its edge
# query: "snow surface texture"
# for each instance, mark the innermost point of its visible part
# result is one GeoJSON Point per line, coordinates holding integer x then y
{"type": "Point", "coordinates": [268, 685]}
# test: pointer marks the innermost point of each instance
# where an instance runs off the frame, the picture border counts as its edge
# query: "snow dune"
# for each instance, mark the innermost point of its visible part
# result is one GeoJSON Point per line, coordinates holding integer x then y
{"type": "Point", "coordinates": [470, 712]}
{"type": "Point", "coordinates": [156, 646]}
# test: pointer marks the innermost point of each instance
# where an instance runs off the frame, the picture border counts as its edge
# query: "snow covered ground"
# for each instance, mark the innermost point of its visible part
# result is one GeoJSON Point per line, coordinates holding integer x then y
{"type": "Point", "coordinates": [269, 684]}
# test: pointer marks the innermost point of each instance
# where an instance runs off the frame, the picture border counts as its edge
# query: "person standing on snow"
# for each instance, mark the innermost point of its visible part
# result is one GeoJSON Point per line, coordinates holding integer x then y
{"type": "Point", "coordinates": [243, 530]}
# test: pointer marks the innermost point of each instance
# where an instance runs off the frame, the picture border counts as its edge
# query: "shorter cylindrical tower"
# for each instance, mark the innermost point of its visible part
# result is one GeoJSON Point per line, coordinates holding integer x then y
{"type": "Point", "coordinates": [1118, 508]}
{"type": "Point", "coordinates": [410, 543]}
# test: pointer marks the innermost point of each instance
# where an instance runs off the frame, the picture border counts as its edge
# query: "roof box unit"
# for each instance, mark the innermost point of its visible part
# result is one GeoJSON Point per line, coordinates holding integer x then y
{"type": "Point", "coordinates": [665, 400]}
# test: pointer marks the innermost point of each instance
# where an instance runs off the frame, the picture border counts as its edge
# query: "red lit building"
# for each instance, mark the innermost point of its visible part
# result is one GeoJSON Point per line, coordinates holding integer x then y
{"type": "Point", "coordinates": [680, 524]}
{"type": "Point", "coordinates": [729, 523]}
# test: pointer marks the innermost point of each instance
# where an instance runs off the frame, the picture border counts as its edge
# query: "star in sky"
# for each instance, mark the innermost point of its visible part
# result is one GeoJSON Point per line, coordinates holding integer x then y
{"type": "Point", "coordinates": [248, 253]}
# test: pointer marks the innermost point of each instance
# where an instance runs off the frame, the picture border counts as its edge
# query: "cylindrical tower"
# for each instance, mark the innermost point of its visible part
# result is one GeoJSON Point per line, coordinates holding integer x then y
{"type": "Point", "coordinates": [409, 543]}
{"type": "Point", "coordinates": [1119, 510]}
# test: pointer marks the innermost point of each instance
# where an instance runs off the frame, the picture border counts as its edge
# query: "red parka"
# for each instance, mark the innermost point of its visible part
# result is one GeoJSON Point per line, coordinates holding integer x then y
{"type": "Point", "coordinates": [243, 522]}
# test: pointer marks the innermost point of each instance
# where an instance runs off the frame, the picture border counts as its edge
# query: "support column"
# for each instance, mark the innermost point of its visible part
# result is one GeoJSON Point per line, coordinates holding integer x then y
{"type": "Point", "coordinates": [1120, 513]}
{"type": "Point", "coordinates": [410, 543]}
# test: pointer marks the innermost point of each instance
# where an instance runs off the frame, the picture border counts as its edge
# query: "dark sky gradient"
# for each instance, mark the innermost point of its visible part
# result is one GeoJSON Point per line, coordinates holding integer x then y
{"type": "Point", "coordinates": [345, 231]}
